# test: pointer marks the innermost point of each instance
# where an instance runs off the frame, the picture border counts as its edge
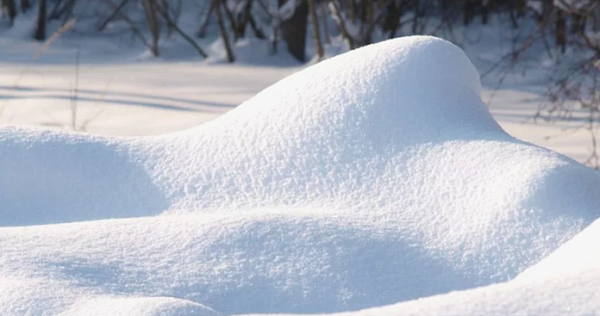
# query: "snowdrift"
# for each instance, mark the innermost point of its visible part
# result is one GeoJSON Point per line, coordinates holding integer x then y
{"type": "Point", "coordinates": [371, 178]}
{"type": "Point", "coordinates": [565, 283]}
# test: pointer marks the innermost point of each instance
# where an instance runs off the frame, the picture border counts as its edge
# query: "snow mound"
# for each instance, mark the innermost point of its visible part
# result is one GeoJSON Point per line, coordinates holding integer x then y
{"type": "Point", "coordinates": [53, 177]}
{"type": "Point", "coordinates": [565, 283]}
{"type": "Point", "coordinates": [368, 179]}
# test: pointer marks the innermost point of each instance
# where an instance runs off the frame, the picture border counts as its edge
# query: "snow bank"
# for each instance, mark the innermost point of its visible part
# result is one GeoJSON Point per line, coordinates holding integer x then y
{"type": "Point", "coordinates": [53, 177]}
{"type": "Point", "coordinates": [371, 178]}
{"type": "Point", "coordinates": [557, 295]}
{"type": "Point", "coordinates": [565, 283]}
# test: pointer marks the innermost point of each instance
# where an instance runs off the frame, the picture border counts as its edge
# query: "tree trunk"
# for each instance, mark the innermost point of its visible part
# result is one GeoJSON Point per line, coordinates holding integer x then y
{"type": "Point", "coordinates": [25, 5]}
{"type": "Point", "coordinates": [233, 22]}
{"type": "Point", "coordinates": [596, 19]}
{"type": "Point", "coordinates": [513, 19]}
{"type": "Point", "coordinates": [56, 10]}
{"type": "Point", "coordinates": [485, 11]}
{"type": "Point", "coordinates": [150, 10]}
{"type": "Point", "coordinates": [325, 27]}
{"type": "Point", "coordinates": [521, 7]}
{"type": "Point", "coordinates": [547, 8]}
{"type": "Point", "coordinates": [113, 16]}
{"type": "Point", "coordinates": [392, 19]}
{"type": "Point", "coordinates": [468, 12]}
{"type": "Point", "coordinates": [164, 12]}
{"type": "Point", "coordinates": [578, 26]}
{"type": "Point", "coordinates": [40, 30]}
{"type": "Point", "coordinates": [370, 22]}
{"type": "Point", "coordinates": [293, 31]}
{"type": "Point", "coordinates": [206, 19]}
{"type": "Point", "coordinates": [315, 21]}
{"type": "Point", "coordinates": [352, 10]}
{"type": "Point", "coordinates": [417, 15]}
{"type": "Point", "coordinates": [245, 19]}
{"type": "Point", "coordinates": [11, 10]}
{"type": "Point", "coordinates": [561, 31]}
{"type": "Point", "coordinates": [224, 34]}
{"type": "Point", "coordinates": [257, 31]}
{"type": "Point", "coordinates": [68, 11]}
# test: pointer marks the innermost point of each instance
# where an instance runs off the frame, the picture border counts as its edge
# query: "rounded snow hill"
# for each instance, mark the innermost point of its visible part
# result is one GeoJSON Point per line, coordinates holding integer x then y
{"type": "Point", "coordinates": [374, 177]}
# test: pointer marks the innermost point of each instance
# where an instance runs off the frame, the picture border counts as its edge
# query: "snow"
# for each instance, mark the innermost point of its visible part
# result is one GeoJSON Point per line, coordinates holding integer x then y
{"type": "Point", "coordinates": [371, 178]}
{"type": "Point", "coordinates": [579, 255]}
{"type": "Point", "coordinates": [558, 295]}
{"type": "Point", "coordinates": [564, 283]}
{"type": "Point", "coordinates": [133, 306]}
{"type": "Point", "coordinates": [121, 93]}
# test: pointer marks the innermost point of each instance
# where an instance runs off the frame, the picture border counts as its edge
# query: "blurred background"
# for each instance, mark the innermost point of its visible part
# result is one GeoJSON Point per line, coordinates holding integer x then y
{"type": "Point", "coordinates": [147, 67]}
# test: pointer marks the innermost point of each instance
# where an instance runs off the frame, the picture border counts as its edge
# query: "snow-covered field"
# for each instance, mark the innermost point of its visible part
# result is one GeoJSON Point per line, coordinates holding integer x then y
{"type": "Point", "coordinates": [374, 181]}
{"type": "Point", "coordinates": [121, 91]}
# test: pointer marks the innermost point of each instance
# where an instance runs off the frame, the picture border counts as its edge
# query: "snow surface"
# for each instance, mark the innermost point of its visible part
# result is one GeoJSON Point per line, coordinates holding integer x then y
{"type": "Point", "coordinates": [580, 254]}
{"type": "Point", "coordinates": [565, 283]}
{"type": "Point", "coordinates": [372, 178]}
{"type": "Point", "coordinates": [124, 91]}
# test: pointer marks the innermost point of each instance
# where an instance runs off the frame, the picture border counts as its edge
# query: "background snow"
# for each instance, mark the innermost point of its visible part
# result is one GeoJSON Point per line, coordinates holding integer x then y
{"type": "Point", "coordinates": [354, 195]}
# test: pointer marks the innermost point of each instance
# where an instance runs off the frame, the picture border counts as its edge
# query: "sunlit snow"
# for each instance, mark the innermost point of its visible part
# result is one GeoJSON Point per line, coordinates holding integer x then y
{"type": "Point", "coordinates": [372, 178]}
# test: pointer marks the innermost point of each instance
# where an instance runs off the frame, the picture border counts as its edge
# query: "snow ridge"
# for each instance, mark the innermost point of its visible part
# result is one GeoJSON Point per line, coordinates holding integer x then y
{"type": "Point", "coordinates": [368, 179]}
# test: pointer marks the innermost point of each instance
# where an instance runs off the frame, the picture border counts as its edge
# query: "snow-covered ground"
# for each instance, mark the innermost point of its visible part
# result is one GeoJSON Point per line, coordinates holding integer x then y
{"type": "Point", "coordinates": [374, 178]}
{"type": "Point", "coordinates": [150, 98]}
{"type": "Point", "coordinates": [121, 91]}
{"type": "Point", "coordinates": [130, 99]}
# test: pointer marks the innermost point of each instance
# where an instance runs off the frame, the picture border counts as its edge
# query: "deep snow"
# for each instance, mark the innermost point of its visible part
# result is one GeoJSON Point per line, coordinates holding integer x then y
{"type": "Point", "coordinates": [375, 177]}
{"type": "Point", "coordinates": [565, 283]}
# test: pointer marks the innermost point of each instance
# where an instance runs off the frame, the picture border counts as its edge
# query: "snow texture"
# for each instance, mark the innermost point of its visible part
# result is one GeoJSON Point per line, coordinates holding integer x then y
{"type": "Point", "coordinates": [579, 255]}
{"type": "Point", "coordinates": [133, 306]}
{"type": "Point", "coordinates": [565, 283]}
{"type": "Point", "coordinates": [372, 178]}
